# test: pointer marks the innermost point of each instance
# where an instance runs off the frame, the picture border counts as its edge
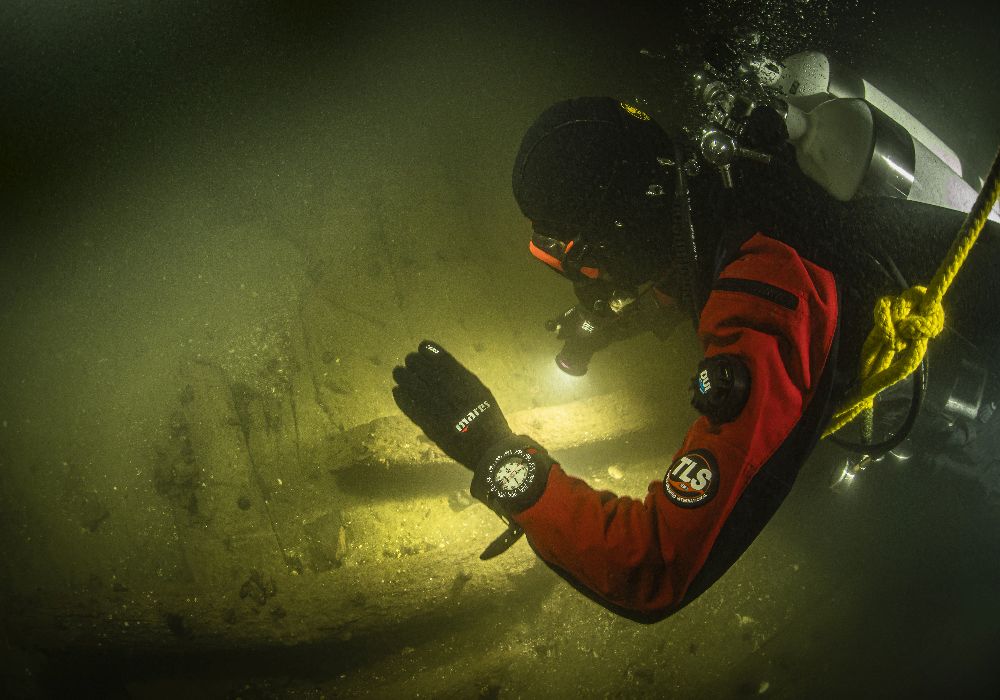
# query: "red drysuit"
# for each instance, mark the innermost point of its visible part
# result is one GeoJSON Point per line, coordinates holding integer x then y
{"type": "Point", "coordinates": [778, 313]}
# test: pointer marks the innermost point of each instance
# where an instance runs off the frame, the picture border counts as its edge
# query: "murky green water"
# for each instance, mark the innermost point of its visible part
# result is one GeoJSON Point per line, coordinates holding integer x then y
{"type": "Point", "coordinates": [224, 224]}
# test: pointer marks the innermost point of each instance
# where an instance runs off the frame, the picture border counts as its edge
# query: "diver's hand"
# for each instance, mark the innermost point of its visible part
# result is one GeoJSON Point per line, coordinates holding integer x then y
{"type": "Point", "coordinates": [449, 403]}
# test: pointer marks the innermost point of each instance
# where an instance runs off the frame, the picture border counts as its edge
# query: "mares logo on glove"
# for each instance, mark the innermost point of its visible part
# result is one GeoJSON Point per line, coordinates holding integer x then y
{"type": "Point", "coordinates": [462, 426]}
{"type": "Point", "coordinates": [692, 479]}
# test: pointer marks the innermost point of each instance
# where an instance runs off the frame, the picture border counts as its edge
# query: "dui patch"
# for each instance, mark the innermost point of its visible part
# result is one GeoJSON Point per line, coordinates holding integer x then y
{"type": "Point", "coordinates": [692, 479]}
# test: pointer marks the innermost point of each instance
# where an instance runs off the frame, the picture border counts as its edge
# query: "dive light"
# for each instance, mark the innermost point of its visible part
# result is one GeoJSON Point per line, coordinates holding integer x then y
{"type": "Point", "coordinates": [582, 340]}
{"type": "Point", "coordinates": [584, 334]}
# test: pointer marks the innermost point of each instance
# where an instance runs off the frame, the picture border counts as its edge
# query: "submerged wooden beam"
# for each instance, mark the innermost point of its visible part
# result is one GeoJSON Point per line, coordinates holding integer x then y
{"type": "Point", "coordinates": [394, 440]}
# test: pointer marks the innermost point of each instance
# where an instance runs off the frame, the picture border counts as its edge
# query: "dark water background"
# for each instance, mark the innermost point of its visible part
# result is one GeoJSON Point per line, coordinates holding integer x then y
{"type": "Point", "coordinates": [183, 182]}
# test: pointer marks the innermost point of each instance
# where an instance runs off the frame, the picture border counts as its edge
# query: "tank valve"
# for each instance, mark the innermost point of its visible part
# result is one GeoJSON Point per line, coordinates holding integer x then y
{"type": "Point", "coordinates": [718, 148]}
{"type": "Point", "coordinates": [721, 150]}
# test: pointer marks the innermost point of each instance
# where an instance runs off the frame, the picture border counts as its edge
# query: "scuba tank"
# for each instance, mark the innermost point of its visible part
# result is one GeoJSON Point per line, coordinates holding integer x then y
{"type": "Point", "coordinates": [854, 140]}
{"type": "Point", "coordinates": [848, 136]}
{"type": "Point", "coordinates": [856, 143]}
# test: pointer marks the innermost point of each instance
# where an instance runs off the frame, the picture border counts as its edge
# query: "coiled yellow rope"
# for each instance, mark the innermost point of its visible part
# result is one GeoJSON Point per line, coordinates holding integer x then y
{"type": "Point", "coordinates": [904, 324]}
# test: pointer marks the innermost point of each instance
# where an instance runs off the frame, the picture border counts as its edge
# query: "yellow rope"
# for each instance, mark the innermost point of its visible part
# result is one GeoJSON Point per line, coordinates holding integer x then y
{"type": "Point", "coordinates": [904, 324]}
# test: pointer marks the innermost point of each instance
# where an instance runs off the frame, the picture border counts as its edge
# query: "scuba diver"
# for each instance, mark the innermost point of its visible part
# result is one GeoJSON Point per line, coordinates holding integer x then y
{"type": "Point", "coordinates": [779, 279]}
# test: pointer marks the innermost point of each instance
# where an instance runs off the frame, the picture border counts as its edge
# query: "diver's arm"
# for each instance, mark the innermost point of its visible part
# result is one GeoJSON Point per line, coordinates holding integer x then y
{"type": "Point", "coordinates": [778, 314]}
{"type": "Point", "coordinates": [772, 311]}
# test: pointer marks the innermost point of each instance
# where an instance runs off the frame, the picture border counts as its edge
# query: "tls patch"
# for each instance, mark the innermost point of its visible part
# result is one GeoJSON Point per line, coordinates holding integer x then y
{"type": "Point", "coordinates": [692, 479]}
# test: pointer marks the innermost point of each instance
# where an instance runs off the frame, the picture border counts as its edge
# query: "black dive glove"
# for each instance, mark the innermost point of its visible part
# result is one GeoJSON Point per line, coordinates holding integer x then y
{"type": "Point", "coordinates": [450, 404]}
{"type": "Point", "coordinates": [461, 416]}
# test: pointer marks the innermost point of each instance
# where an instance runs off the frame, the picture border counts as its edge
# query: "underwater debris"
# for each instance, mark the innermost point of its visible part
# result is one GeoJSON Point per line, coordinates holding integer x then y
{"type": "Point", "coordinates": [257, 589]}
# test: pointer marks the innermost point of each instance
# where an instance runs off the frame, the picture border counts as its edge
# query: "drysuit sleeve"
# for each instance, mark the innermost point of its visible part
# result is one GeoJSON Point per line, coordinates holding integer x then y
{"type": "Point", "coordinates": [778, 313]}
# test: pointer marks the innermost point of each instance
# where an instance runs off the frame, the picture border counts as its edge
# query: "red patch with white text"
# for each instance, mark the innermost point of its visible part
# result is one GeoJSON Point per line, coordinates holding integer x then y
{"type": "Point", "coordinates": [692, 479]}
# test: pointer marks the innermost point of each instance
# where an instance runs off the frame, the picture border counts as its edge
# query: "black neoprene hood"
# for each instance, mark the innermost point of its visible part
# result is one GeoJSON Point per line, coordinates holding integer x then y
{"type": "Point", "coordinates": [588, 162]}
{"type": "Point", "coordinates": [587, 168]}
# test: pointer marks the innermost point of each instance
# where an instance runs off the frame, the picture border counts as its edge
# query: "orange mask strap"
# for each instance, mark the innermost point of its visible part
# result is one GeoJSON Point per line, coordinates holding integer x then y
{"type": "Point", "coordinates": [555, 263]}
{"type": "Point", "coordinates": [547, 258]}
